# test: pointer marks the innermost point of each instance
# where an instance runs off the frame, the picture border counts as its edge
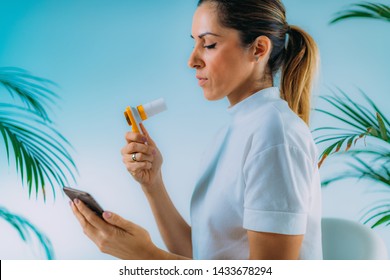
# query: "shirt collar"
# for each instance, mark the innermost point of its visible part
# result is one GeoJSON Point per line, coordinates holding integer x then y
{"type": "Point", "coordinates": [252, 103]}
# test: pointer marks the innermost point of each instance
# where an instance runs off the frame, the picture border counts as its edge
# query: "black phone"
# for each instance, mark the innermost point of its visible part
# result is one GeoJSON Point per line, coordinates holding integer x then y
{"type": "Point", "coordinates": [86, 198]}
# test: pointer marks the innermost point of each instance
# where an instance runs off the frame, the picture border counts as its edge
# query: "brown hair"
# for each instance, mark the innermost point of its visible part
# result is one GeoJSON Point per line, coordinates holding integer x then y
{"type": "Point", "coordinates": [298, 59]}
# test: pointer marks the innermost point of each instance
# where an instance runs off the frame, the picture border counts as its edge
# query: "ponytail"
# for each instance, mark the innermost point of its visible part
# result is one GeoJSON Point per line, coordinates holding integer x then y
{"type": "Point", "coordinates": [298, 71]}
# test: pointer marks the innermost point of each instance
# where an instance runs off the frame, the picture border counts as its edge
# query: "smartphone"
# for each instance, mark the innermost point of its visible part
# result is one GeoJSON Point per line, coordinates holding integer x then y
{"type": "Point", "coordinates": [86, 198]}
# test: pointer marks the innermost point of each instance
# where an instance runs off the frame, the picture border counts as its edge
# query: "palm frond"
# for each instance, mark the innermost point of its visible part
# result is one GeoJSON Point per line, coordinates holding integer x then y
{"type": "Point", "coordinates": [377, 169]}
{"type": "Point", "coordinates": [364, 10]}
{"type": "Point", "coordinates": [378, 215]}
{"type": "Point", "coordinates": [336, 147]}
{"type": "Point", "coordinates": [26, 230]}
{"type": "Point", "coordinates": [375, 108]}
{"type": "Point", "coordinates": [364, 121]}
{"type": "Point", "coordinates": [30, 89]}
{"type": "Point", "coordinates": [38, 148]}
{"type": "Point", "coordinates": [377, 155]}
{"type": "Point", "coordinates": [39, 151]}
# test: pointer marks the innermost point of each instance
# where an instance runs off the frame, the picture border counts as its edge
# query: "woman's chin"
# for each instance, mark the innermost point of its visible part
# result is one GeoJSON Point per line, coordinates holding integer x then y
{"type": "Point", "coordinates": [211, 97]}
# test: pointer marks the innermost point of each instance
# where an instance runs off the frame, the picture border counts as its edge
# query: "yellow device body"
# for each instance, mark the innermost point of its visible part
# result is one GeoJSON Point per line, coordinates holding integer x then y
{"type": "Point", "coordinates": [131, 118]}
{"type": "Point", "coordinates": [135, 116]}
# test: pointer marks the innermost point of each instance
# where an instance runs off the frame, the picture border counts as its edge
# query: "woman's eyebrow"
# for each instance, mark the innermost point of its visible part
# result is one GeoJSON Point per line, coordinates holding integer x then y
{"type": "Point", "coordinates": [206, 33]}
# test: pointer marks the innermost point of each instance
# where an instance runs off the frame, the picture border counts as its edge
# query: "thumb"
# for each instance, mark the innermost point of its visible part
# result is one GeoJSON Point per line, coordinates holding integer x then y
{"type": "Point", "coordinates": [119, 222]}
{"type": "Point", "coordinates": [145, 132]}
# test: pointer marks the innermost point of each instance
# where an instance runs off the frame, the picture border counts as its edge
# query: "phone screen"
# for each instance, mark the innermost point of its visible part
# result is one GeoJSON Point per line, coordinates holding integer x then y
{"type": "Point", "coordinates": [86, 198]}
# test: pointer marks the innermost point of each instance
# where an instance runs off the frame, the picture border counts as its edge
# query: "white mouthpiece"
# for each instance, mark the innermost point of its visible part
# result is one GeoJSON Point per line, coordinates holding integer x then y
{"type": "Point", "coordinates": [155, 107]}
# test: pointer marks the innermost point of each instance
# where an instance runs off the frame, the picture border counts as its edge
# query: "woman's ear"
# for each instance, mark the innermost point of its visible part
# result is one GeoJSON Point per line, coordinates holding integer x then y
{"type": "Point", "coordinates": [262, 47]}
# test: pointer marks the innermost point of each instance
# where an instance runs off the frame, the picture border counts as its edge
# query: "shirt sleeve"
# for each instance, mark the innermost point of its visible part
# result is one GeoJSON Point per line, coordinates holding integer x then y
{"type": "Point", "coordinates": [277, 190]}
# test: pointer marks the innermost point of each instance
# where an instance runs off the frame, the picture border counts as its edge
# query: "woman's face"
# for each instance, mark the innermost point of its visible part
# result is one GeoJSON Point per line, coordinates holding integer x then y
{"type": "Point", "coordinates": [223, 67]}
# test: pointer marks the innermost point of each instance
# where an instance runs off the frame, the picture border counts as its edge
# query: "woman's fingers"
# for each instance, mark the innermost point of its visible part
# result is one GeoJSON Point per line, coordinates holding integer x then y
{"type": "Point", "coordinates": [138, 137]}
{"type": "Point", "coordinates": [137, 157]}
{"type": "Point", "coordinates": [141, 156]}
{"type": "Point", "coordinates": [134, 166]}
{"type": "Point", "coordinates": [120, 222]}
{"type": "Point", "coordinates": [134, 147]}
{"type": "Point", "coordinates": [135, 137]}
{"type": "Point", "coordinates": [148, 138]}
{"type": "Point", "coordinates": [88, 229]}
{"type": "Point", "coordinates": [88, 216]}
{"type": "Point", "coordinates": [83, 222]}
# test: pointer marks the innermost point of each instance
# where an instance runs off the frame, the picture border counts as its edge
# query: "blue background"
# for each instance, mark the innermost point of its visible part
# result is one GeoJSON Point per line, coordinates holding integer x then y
{"type": "Point", "coordinates": [106, 55]}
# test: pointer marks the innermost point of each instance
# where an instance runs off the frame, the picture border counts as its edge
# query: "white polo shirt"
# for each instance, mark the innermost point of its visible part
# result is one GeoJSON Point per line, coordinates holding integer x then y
{"type": "Point", "coordinates": [259, 174]}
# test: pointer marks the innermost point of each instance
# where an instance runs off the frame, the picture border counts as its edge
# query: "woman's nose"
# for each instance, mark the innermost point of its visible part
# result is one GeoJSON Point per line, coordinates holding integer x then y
{"type": "Point", "coordinates": [195, 60]}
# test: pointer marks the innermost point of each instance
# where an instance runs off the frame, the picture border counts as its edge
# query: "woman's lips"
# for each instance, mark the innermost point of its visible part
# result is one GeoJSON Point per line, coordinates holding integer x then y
{"type": "Point", "coordinates": [201, 80]}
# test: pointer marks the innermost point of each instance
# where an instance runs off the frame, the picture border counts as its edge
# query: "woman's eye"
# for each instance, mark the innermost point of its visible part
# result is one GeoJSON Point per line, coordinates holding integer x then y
{"type": "Point", "coordinates": [212, 46]}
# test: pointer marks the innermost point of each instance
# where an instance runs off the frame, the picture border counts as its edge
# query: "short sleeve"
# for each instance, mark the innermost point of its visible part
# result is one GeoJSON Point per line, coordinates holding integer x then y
{"type": "Point", "coordinates": [277, 190]}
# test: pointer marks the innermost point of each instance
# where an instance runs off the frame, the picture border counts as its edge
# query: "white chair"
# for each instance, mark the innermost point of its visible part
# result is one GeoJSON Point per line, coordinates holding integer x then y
{"type": "Point", "coordinates": [348, 240]}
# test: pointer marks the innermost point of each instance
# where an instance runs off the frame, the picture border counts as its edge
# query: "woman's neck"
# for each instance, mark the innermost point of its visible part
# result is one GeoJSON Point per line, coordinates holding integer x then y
{"type": "Point", "coordinates": [245, 91]}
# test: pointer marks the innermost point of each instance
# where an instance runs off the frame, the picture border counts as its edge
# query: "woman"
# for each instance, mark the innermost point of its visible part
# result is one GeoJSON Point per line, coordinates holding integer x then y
{"type": "Point", "coordinates": [258, 193]}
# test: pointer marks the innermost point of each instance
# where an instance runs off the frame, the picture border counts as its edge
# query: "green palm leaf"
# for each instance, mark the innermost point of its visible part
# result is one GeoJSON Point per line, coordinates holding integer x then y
{"type": "Point", "coordinates": [378, 154]}
{"type": "Point", "coordinates": [372, 163]}
{"type": "Point", "coordinates": [29, 89]}
{"type": "Point", "coordinates": [39, 149]}
{"type": "Point", "coordinates": [378, 215]}
{"type": "Point", "coordinates": [385, 219]}
{"type": "Point", "coordinates": [376, 170]}
{"type": "Point", "coordinates": [364, 10]}
{"type": "Point", "coordinates": [363, 121]}
{"type": "Point", "coordinates": [26, 230]}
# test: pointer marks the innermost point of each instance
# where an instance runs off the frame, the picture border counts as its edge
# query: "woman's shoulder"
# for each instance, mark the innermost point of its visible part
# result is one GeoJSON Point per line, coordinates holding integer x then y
{"type": "Point", "coordinates": [278, 125]}
{"type": "Point", "coordinates": [277, 117]}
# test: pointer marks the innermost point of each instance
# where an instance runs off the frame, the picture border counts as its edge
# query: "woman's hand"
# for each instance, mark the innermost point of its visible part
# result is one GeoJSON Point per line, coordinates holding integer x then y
{"type": "Point", "coordinates": [115, 235]}
{"type": "Point", "coordinates": [142, 158]}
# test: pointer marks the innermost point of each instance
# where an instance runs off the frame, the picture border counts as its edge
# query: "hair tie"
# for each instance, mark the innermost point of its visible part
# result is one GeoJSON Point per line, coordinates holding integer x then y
{"type": "Point", "coordinates": [288, 29]}
{"type": "Point", "coordinates": [287, 37]}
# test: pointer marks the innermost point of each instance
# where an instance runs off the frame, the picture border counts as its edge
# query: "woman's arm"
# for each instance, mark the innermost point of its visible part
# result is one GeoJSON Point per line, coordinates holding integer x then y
{"type": "Point", "coordinates": [174, 230]}
{"type": "Point", "coordinates": [272, 246]}
{"type": "Point", "coordinates": [146, 169]}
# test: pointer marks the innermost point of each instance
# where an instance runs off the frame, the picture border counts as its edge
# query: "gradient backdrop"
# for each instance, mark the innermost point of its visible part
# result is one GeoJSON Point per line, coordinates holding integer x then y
{"type": "Point", "coordinates": [106, 55]}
